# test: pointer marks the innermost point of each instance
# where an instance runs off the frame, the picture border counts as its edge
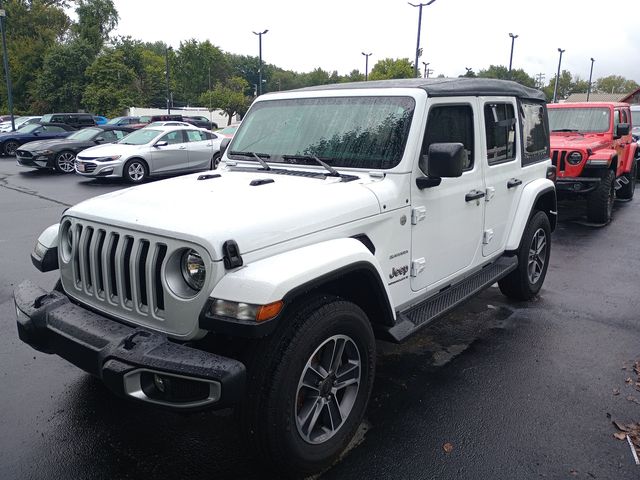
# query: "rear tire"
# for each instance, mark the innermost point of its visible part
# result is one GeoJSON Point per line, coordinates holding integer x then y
{"type": "Point", "coordinates": [135, 171]}
{"type": "Point", "coordinates": [525, 282]}
{"type": "Point", "coordinates": [626, 191]}
{"type": "Point", "coordinates": [65, 162]}
{"type": "Point", "coordinates": [600, 201]}
{"type": "Point", "coordinates": [296, 415]}
{"type": "Point", "coordinates": [215, 161]}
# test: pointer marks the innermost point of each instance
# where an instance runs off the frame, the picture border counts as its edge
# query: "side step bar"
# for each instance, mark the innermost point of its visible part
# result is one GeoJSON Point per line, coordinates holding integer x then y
{"type": "Point", "coordinates": [416, 317]}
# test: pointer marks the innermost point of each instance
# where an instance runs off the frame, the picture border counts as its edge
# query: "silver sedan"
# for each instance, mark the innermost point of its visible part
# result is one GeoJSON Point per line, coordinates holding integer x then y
{"type": "Point", "coordinates": [152, 151]}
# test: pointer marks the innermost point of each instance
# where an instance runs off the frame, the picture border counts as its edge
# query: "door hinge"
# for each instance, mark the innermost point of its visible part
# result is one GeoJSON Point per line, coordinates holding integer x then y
{"type": "Point", "coordinates": [418, 214]}
{"type": "Point", "coordinates": [417, 266]}
{"type": "Point", "coordinates": [487, 236]}
{"type": "Point", "coordinates": [489, 194]}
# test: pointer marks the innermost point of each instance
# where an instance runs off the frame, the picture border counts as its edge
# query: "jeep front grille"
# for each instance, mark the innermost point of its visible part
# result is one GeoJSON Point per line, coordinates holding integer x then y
{"type": "Point", "coordinates": [558, 159]}
{"type": "Point", "coordinates": [119, 268]}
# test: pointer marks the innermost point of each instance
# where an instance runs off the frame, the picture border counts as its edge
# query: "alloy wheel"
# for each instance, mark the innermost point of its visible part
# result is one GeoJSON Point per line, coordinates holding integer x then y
{"type": "Point", "coordinates": [136, 171]}
{"type": "Point", "coordinates": [537, 255]}
{"type": "Point", "coordinates": [66, 162]}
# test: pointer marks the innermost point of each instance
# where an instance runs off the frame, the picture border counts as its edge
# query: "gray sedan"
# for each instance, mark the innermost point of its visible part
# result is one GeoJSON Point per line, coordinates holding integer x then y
{"type": "Point", "coordinates": [156, 151]}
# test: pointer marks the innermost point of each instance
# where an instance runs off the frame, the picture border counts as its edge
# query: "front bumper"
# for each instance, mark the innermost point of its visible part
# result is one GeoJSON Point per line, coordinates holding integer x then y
{"type": "Point", "coordinates": [89, 168]}
{"type": "Point", "coordinates": [35, 161]}
{"type": "Point", "coordinates": [132, 362]}
{"type": "Point", "coordinates": [577, 185]}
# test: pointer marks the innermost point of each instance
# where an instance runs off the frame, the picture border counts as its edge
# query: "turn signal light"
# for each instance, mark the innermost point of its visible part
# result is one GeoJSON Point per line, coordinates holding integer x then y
{"type": "Point", "coordinates": [267, 312]}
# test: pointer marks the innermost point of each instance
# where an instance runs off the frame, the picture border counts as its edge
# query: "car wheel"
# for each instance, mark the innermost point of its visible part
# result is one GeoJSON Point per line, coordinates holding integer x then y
{"type": "Point", "coordinates": [135, 171]}
{"type": "Point", "coordinates": [10, 147]}
{"type": "Point", "coordinates": [627, 190]}
{"type": "Point", "coordinates": [65, 162]}
{"type": "Point", "coordinates": [309, 384]}
{"type": "Point", "coordinates": [600, 201]}
{"type": "Point", "coordinates": [533, 260]}
{"type": "Point", "coordinates": [215, 161]}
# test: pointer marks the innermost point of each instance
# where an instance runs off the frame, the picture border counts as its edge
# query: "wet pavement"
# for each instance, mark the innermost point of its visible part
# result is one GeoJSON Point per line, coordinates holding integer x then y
{"type": "Point", "coordinates": [516, 390]}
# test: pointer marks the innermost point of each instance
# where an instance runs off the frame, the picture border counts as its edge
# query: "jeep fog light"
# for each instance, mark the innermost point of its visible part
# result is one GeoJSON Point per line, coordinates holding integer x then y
{"type": "Point", "coordinates": [193, 269]}
{"type": "Point", "coordinates": [245, 311]}
{"type": "Point", "coordinates": [574, 158]}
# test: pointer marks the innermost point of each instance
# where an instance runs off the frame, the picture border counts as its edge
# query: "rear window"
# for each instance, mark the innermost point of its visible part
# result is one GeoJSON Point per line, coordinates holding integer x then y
{"type": "Point", "coordinates": [535, 132]}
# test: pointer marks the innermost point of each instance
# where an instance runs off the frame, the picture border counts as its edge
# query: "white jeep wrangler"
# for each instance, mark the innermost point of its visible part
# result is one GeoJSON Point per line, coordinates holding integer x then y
{"type": "Point", "coordinates": [339, 214]}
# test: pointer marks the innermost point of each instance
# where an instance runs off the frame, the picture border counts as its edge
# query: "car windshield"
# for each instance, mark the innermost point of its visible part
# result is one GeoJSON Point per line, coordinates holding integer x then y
{"type": "Point", "coordinates": [140, 137]}
{"type": "Point", "coordinates": [46, 118]}
{"type": "Point", "coordinates": [85, 134]}
{"type": "Point", "coordinates": [114, 121]}
{"type": "Point", "coordinates": [359, 132]}
{"type": "Point", "coordinates": [635, 118]}
{"type": "Point", "coordinates": [28, 128]}
{"type": "Point", "coordinates": [580, 119]}
{"type": "Point", "coordinates": [145, 119]}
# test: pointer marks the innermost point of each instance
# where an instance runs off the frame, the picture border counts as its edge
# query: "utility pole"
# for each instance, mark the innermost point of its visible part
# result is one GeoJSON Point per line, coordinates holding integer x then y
{"type": "Point", "coordinates": [166, 58]}
{"type": "Point", "coordinates": [260, 56]}
{"type": "Point", "coordinates": [513, 40]}
{"type": "Point", "coordinates": [366, 65]}
{"type": "Point", "coordinates": [590, 77]}
{"type": "Point", "coordinates": [540, 80]}
{"type": "Point", "coordinates": [420, 5]}
{"type": "Point", "coordinates": [555, 89]}
{"type": "Point", "coordinates": [7, 71]}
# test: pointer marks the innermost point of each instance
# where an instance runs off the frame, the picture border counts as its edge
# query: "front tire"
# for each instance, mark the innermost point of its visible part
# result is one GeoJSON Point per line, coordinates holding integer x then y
{"type": "Point", "coordinates": [525, 282]}
{"type": "Point", "coordinates": [135, 171]}
{"type": "Point", "coordinates": [600, 201]}
{"type": "Point", "coordinates": [215, 161]}
{"type": "Point", "coordinates": [65, 162]}
{"type": "Point", "coordinates": [626, 191]}
{"type": "Point", "coordinates": [309, 384]}
{"type": "Point", "coordinates": [10, 148]}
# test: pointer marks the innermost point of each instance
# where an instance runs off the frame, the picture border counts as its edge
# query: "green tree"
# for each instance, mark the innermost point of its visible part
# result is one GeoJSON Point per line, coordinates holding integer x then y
{"type": "Point", "coordinates": [501, 72]}
{"type": "Point", "coordinates": [193, 62]}
{"type": "Point", "coordinates": [565, 86]}
{"type": "Point", "coordinates": [96, 21]}
{"type": "Point", "coordinates": [111, 87]}
{"type": "Point", "coordinates": [228, 97]}
{"type": "Point", "coordinates": [616, 84]}
{"type": "Point", "coordinates": [391, 68]}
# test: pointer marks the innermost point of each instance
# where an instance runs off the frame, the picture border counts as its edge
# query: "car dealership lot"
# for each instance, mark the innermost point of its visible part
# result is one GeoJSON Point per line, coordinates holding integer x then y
{"type": "Point", "coordinates": [517, 390]}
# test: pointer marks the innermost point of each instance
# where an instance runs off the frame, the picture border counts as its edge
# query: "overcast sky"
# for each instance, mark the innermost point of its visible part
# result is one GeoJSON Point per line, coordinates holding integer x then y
{"type": "Point", "coordinates": [331, 34]}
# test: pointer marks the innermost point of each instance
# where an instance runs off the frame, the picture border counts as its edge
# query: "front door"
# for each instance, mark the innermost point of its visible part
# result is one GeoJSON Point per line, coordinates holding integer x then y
{"type": "Point", "coordinates": [172, 156]}
{"type": "Point", "coordinates": [448, 219]}
{"type": "Point", "coordinates": [200, 150]}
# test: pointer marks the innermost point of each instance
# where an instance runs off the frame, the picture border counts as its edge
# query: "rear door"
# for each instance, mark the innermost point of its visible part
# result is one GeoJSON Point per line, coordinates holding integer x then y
{"type": "Point", "coordinates": [200, 150]}
{"type": "Point", "coordinates": [172, 156]}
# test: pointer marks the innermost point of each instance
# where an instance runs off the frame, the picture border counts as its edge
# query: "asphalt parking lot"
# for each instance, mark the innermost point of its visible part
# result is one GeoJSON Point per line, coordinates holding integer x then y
{"type": "Point", "coordinates": [513, 390]}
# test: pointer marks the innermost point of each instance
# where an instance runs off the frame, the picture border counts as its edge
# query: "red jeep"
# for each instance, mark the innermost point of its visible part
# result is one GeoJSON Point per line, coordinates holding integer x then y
{"type": "Point", "coordinates": [594, 154]}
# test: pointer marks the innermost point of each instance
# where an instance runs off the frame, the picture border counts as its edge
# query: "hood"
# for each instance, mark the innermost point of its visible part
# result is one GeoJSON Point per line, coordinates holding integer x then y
{"type": "Point", "coordinates": [8, 135]}
{"type": "Point", "coordinates": [109, 149]}
{"type": "Point", "coordinates": [42, 144]}
{"type": "Point", "coordinates": [210, 212]}
{"type": "Point", "coordinates": [574, 141]}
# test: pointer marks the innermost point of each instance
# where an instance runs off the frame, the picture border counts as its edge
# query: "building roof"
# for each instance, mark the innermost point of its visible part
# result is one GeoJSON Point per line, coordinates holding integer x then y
{"type": "Point", "coordinates": [445, 87]}
{"type": "Point", "coordinates": [597, 97]}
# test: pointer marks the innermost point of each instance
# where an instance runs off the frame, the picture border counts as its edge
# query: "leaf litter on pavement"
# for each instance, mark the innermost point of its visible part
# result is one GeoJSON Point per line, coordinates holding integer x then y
{"type": "Point", "coordinates": [630, 431]}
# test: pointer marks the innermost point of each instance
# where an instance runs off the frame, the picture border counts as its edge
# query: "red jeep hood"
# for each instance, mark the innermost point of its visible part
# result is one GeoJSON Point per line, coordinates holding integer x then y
{"type": "Point", "coordinates": [575, 141]}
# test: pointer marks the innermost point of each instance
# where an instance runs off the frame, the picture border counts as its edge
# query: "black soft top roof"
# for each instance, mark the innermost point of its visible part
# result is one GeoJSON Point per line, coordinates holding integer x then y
{"type": "Point", "coordinates": [445, 87]}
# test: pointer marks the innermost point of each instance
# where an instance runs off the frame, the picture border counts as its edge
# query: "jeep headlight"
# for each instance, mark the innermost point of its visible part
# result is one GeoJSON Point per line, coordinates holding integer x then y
{"type": "Point", "coordinates": [193, 270]}
{"type": "Point", "coordinates": [574, 158]}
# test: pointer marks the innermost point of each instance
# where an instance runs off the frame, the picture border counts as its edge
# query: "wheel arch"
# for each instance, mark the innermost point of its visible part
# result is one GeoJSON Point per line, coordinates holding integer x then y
{"type": "Point", "coordinates": [537, 195]}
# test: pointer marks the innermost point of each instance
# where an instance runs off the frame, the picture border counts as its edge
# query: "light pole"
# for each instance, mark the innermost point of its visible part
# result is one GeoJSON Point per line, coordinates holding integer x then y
{"type": "Point", "coordinates": [513, 40]}
{"type": "Point", "coordinates": [366, 65]}
{"type": "Point", "coordinates": [166, 59]}
{"type": "Point", "coordinates": [426, 70]}
{"type": "Point", "coordinates": [260, 55]}
{"type": "Point", "coordinates": [420, 5]}
{"type": "Point", "coordinates": [555, 89]}
{"type": "Point", "coordinates": [590, 77]}
{"type": "Point", "coordinates": [7, 71]}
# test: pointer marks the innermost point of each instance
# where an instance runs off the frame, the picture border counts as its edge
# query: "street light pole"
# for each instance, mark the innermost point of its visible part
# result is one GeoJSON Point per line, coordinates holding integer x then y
{"type": "Point", "coordinates": [590, 77]}
{"type": "Point", "coordinates": [166, 58]}
{"type": "Point", "coordinates": [426, 70]}
{"type": "Point", "coordinates": [366, 65]}
{"type": "Point", "coordinates": [420, 5]}
{"type": "Point", "coordinates": [513, 39]}
{"type": "Point", "coordinates": [260, 56]}
{"type": "Point", "coordinates": [7, 71]}
{"type": "Point", "coordinates": [555, 89]}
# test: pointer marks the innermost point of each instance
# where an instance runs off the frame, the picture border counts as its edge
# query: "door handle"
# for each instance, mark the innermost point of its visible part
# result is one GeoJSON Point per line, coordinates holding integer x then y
{"type": "Point", "coordinates": [208, 145]}
{"type": "Point", "coordinates": [473, 195]}
{"type": "Point", "coordinates": [182, 148]}
{"type": "Point", "coordinates": [514, 182]}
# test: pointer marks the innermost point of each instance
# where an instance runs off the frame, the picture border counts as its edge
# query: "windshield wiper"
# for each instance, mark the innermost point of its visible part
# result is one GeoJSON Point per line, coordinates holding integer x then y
{"type": "Point", "coordinates": [332, 171]}
{"type": "Point", "coordinates": [255, 155]}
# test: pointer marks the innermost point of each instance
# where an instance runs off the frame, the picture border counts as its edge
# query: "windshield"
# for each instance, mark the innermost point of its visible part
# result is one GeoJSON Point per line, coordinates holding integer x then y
{"type": "Point", "coordinates": [360, 132]}
{"type": "Point", "coordinates": [580, 119]}
{"type": "Point", "coordinates": [84, 134]}
{"type": "Point", "coordinates": [140, 137]}
{"type": "Point", "coordinates": [28, 128]}
{"type": "Point", "coordinates": [46, 118]}
{"type": "Point", "coordinates": [145, 119]}
{"type": "Point", "coordinates": [114, 121]}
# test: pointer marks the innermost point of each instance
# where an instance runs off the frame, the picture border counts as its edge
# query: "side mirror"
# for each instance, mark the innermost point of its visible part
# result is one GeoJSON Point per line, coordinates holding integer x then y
{"type": "Point", "coordinates": [622, 129]}
{"type": "Point", "coordinates": [163, 143]}
{"type": "Point", "coordinates": [99, 139]}
{"type": "Point", "coordinates": [223, 145]}
{"type": "Point", "coordinates": [445, 160]}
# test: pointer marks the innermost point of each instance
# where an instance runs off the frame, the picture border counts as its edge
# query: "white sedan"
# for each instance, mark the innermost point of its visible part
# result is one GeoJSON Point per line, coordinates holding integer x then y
{"type": "Point", "coordinates": [157, 151]}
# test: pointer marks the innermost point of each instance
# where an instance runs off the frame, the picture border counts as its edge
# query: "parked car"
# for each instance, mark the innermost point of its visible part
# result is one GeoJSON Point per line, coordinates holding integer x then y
{"type": "Point", "coordinates": [60, 154]}
{"type": "Point", "coordinates": [392, 203]}
{"type": "Point", "coordinates": [168, 124]}
{"type": "Point", "coordinates": [200, 122]}
{"type": "Point", "coordinates": [147, 119]}
{"type": "Point", "coordinates": [10, 141]}
{"type": "Point", "coordinates": [229, 131]}
{"type": "Point", "coordinates": [124, 121]}
{"type": "Point", "coordinates": [76, 120]}
{"type": "Point", "coordinates": [5, 118]}
{"type": "Point", "coordinates": [19, 122]}
{"type": "Point", "coordinates": [592, 148]}
{"type": "Point", "coordinates": [151, 152]}
{"type": "Point", "coordinates": [100, 120]}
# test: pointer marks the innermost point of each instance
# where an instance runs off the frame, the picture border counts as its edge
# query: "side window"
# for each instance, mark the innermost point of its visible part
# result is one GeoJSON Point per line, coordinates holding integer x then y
{"type": "Point", "coordinates": [535, 132]}
{"type": "Point", "coordinates": [109, 136]}
{"type": "Point", "coordinates": [57, 119]}
{"type": "Point", "coordinates": [86, 121]}
{"type": "Point", "coordinates": [71, 120]}
{"type": "Point", "coordinates": [172, 137]}
{"type": "Point", "coordinates": [195, 136]}
{"type": "Point", "coordinates": [500, 125]}
{"type": "Point", "coordinates": [119, 134]}
{"type": "Point", "coordinates": [623, 114]}
{"type": "Point", "coordinates": [450, 124]}
{"type": "Point", "coordinates": [616, 118]}
{"type": "Point", "coordinates": [54, 129]}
